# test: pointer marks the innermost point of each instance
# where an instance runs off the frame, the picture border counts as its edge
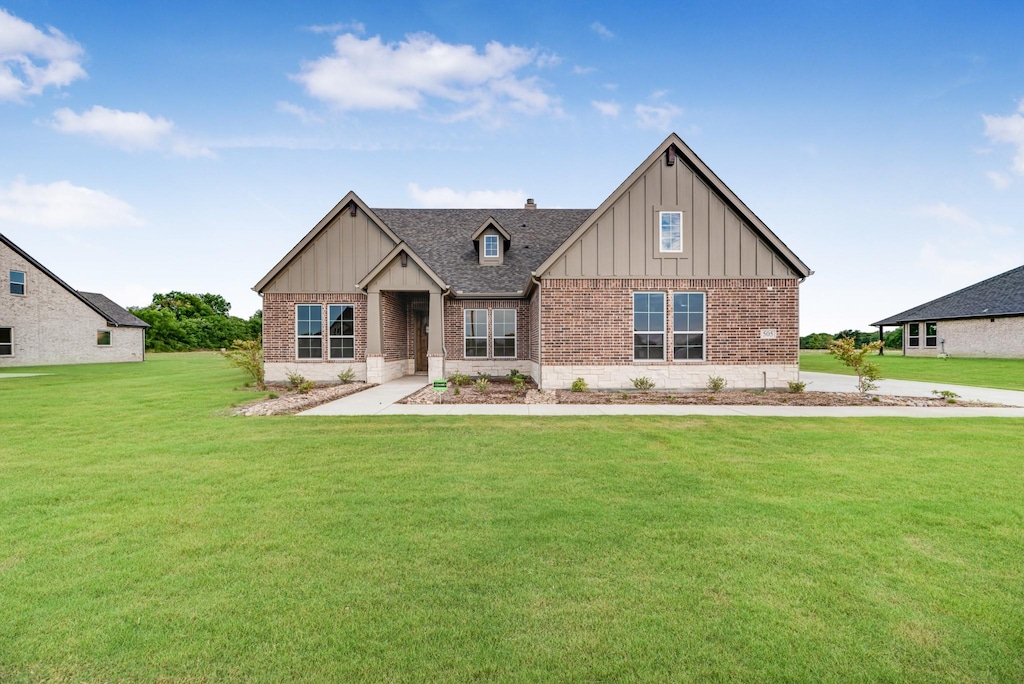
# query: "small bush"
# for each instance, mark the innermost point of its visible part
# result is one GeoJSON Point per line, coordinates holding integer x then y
{"type": "Point", "coordinates": [296, 380]}
{"type": "Point", "coordinates": [643, 383]}
{"type": "Point", "coordinates": [845, 350]}
{"type": "Point", "coordinates": [458, 379]}
{"type": "Point", "coordinates": [482, 384]}
{"type": "Point", "coordinates": [716, 383]}
{"type": "Point", "coordinates": [305, 387]}
{"type": "Point", "coordinates": [948, 395]}
{"type": "Point", "coordinates": [273, 395]}
{"type": "Point", "coordinates": [513, 374]}
{"type": "Point", "coordinates": [456, 391]}
{"type": "Point", "coordinates": [346, 376]}
{"type": "Point", "coordinates": [484, 376]}
{"type": "Point", "coordinates": [796, 387]}
{"type": "Point", "coordinates": [580, 385]}
{"type": "Point", "coordinates": [247, 355]}
{"type": "Point", "coordinates": [625, 396]}
{"type": "Point", "coordinates": [519, 383]}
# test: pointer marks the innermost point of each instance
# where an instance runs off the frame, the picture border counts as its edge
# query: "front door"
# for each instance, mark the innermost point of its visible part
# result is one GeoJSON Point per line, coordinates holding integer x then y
{"type": "Point", "coordinates": [421, 341]}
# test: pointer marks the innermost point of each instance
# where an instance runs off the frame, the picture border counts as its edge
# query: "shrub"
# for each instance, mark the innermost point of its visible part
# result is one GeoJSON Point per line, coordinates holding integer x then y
{"type": "Point", "coordinates": [484, 376]}
{"type": "Point", "coordinates": [247, 355]}
{"type": "Point", "coordinates": [580, 385]}
{"type": "Point", "coordinates": [796, 387]}
{"type": "Point", "coordinates": [273, 395]}
{"type": "Point", "coordinates": [845, 350]}
{"type": "Point", "coordinates": [306, 386]}
{"type": "Point", "coordinates": [458, 379]}
{"type": "Point", "coordinates": [643, 384]}
{"type": "Point", "coordinates": [948, 395]}
{"type": "Point", "coordinates": [716, 383]}
{"type": "Point", "coordinates": [513, 374]}
{"type": "Point", "coordinates": [482, 384]}
{"type": "Point", "coordinates": [346, 376]}
{"type": "Point", "coordinates": [296, 380]}
{"type": "Point", "coordinates": [519, 383]}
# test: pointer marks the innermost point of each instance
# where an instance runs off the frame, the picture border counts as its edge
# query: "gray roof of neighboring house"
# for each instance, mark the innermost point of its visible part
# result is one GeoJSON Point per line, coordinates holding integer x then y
{"type": "Point", "coordinates": [113, 312]}
{"type": "Point", "coordinates": [442, 238]}
{"type": "Point", "coordinates": [1001, 295]}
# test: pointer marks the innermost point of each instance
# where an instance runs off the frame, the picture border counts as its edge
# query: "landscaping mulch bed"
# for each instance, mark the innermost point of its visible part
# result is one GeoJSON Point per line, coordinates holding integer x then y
{"type": "Point", "coordinates": [290, 401]}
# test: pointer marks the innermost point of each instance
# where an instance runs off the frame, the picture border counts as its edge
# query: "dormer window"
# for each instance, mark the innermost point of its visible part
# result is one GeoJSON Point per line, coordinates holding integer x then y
{"type": "Point", "coordinates": [490, 246]}
{"type": "Point", "coordinates": [491, 242]}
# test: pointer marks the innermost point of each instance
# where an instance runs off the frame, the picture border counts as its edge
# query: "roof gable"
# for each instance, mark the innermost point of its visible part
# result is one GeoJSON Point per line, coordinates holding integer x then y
{"type": "Point", "coordinates": [386, 269]}
{"type": "Point", "coordinates": [1000, 295]}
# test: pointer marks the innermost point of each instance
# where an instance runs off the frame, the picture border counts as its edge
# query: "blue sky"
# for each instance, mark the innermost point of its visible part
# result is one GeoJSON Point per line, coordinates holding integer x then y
{"type": "Point", "coordinates": [145, 147]}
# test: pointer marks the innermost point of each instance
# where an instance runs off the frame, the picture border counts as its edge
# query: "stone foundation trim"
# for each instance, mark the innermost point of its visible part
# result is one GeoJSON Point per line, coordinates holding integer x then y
{"type": "Point", "coordinates": [493, 367]}
{"type": "Point", "coordinates": [671, 377]}
{"type": "Point", "coordinates": [315, 371]}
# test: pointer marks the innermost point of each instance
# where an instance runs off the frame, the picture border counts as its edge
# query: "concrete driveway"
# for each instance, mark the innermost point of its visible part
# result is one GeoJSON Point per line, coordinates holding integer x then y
{"type": "Point", "coordinates": [831, 382]}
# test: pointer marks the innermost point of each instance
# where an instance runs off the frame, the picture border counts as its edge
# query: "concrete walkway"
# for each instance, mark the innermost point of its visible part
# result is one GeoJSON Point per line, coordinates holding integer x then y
{"type": "Point", "coordinates": [380, 401]}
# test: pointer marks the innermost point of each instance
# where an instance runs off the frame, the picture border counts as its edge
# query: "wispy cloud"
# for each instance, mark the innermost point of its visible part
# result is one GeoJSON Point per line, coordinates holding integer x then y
{"type": "Point", "coordinates": [656, 117]}
{"type": "Point", "coordinates": [578, 70]}
{"type": "Point", "coordinates": [339, 27]}
{"type": "Point", "coordinates": [32, 60]}
{"type": "Point", "coordinates": [952, 267]}
{"type": "Point", "coordinates": [958, 217]}
{"type": "Point", "coordinates": [999, 180]}
{"type": "Point", "coordinates": [301, 113]}
{"type": "Point", "coordinates": [1008, 129]}
{"type": "Point", "coordinates": [602, 30]}
{"type": "Point", "coordinates": [62, 206]}
{"type": "Point", "coordinates": [611, 109]}
{"type": "Point", "coordinates": [547, 60]}
{"type": "Point", "coordinates": [131, 131]}
{"type": "Point", "coordinates": [472, 199]}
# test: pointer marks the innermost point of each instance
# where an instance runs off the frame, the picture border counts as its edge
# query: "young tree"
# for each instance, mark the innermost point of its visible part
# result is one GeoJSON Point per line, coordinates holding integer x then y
{"type": "Point", "coordinates": [248, 356]}
{"type": "Point", "coordinates": [845, 349]}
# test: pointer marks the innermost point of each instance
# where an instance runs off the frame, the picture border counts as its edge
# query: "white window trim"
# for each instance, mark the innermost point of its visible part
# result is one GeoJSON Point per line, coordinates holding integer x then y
{"type": "Point", "coordinates": [935, 344]}
{"type": "Point", "coordinates": [341, 337]}
{"type": "Point", "coordinates": [515, 334]}
{"type": "Point", "coordinates": [110, 337]}
{"type": "Point", "coordinates": [703, 331]}
{"type": "Point", "coordinates": [11, 328]}
{"type": "Point", "coordinates": [298, 336]}
{"type": "Point", "coordinates": [664, 327]}
{"type": "Point", "coordinates": [465, 337]}
{"type": "Point", "coordinates": [23, 283]}
{"type": "Point", "coordinates": [488, 241]}
{"type": "Point", "coordinates": [914, 337]}
{"type": "Point", "coordinates": [661, 238]}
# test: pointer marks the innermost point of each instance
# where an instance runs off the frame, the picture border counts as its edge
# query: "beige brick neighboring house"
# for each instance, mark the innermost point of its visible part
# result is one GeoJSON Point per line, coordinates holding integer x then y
{"type": "Point", "coordinates": [44, 321]}
{"type": "Point", "coordinates": [672, 278]}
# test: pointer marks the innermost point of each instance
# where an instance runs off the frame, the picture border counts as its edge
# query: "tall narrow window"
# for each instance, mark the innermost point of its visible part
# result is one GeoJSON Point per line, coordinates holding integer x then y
{"type": "Point", "coordinates": [476, 333]}
{"type": "Point", "coordinates": [341, 331]}
{"type": "Point", "coordinates": [103, 338]}
{"type": "Point", "coordinates": [688, 326]}
{"type": "Point", "coordinates": [504, 333]}
{"type": "Point", "coordinates": [648, 326]}
{"type": "Point", "coordinates": [914, 335]}
{"type": "Point", "coordinates": [931, 334]}
{"type": "Point", "coordinates": [309, 331]}
{"type": "Point", "coordinates": [671, 231]}
{"type": "Point", "coordinates": [491, 246]}
{"type": "Point", "coordinates": [17, 282]}
{"type": "Point", "coordinates": [6, 341]}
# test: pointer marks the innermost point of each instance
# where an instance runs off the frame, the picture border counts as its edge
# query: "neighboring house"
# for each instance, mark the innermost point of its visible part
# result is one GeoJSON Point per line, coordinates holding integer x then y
{"type": "Point", "coordinates": [672, 278]}
{"type": "Point", "coordinates": [985, 319]}
{"type": "Point", "coordinates": [44, 321]}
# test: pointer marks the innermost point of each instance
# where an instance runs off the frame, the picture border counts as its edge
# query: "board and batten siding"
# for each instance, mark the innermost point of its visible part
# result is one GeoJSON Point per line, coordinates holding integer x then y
{"type": "Point", "coordinates": [410, 278]}
{"type": "Point", "coordinates": [344, 251]}
{"type": "Point", "coordinates": [624, 241]}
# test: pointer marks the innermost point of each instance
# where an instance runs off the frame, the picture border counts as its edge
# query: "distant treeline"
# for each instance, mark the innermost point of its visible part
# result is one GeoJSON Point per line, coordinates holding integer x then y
{"type": "Point", "coordinates": [893, 338]}
{"type": "Point", "coordinates": [182, 321]}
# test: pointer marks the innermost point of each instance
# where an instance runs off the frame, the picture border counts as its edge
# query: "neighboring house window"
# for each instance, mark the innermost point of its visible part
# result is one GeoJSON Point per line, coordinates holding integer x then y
{"type": "Point", "coordinates": [914, 335]}
{"type": "Point", "coordinates": [648, 326]}
{"type": "Point", "coordinates": [476, 332]}
{"type": "Point", "coordinates": [688, 326]}
{"type": "Point", "coordinates": [342, 331]}
{"type": "Point", "coordinates": [309, 331]}
{"type": "Point", "coordinates": [671, 231]}
{"type": "Point", "coordinates": [6, 341]}
{"type": "Point", "coordinates": [103, 338]}
{"type": "Point", "coordinates": [17, 282]}
{"type": "Point", "coordinates": [491, 246]}
{"type": "Point", "coordinates": [931, 334]}
{"type": "Point", "coordinates": [504, 333]}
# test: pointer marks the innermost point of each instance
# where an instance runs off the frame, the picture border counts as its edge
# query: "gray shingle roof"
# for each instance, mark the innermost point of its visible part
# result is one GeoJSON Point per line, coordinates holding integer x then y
{"type": "Point", "coordinates": [115, 314]}
{"type": "Point", "coordinates": [1001, 295]}
{"type": "Point", "coordinates": [442, 238]}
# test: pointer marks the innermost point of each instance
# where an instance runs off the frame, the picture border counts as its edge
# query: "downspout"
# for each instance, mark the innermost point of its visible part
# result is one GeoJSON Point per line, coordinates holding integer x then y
{"type": "Point", "coordinates": [540, 329]}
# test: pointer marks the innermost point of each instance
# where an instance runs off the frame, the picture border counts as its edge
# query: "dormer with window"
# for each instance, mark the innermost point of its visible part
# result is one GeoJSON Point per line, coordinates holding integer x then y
{"type": "Point", "coordinates": [491, 241]}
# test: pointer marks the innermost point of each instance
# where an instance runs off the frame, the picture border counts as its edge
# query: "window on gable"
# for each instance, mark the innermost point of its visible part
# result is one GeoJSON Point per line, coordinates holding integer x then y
{"type": "Point", "coordinates": [649, 326]}
{"type": "Point", "coordinates": [504, 333]}
{"type": "Point", "coordinates": [671, 231]}
{"type": "Point", "coordinates": [309, 331]}
{"type": "Point", "coordinates": [931, 334]}
{"type": "Point", "coordinates": [17, 282]}
{"type": "Point", "coordinates": [914, 335]}
{"type": "Point", "coordinates": [6, 341]}
{"type": "Point", "coordinates": [103, 338]}
{"type": "Point", "coordinates": [342, 331]}
{"type": "Point", "coordinates": [688, 326]}
{"type": "Point", "coordinates": [491, 246]}
{"type": "Point", "coordinates": [476, 333]}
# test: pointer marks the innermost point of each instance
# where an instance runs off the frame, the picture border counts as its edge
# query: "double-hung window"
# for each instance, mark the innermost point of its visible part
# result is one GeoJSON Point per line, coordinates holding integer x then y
{"type": "Point", "coordinates": [504, 333]}
{"type": "Point", "coordinates": [671, 231]}
{"type": "Point", "coordinates": [688, 326]}
{"type": "Point", "coordinates": [914, 335]}
{"type": "Point", "coordinates": [490, 246]}
{"type": "Point", "coordinates": [6, 341]}
{"type": "Point", "coordinates": [103, 338]}
{"type": "Point", "coordinates": [476, 333]}
{"type": "Point", "coordinates": [649, 326]}
{"type": "Point", "coordinates": [931, 334]}
{"type": "Point", "coordinates": [309, 331]}
{"type": "Point", "coordinates": [17, 282]}
{"type": "Point", "coordinates": [341, 331]}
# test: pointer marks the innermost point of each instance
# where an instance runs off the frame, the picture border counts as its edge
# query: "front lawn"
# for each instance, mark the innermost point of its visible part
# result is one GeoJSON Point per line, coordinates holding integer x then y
{"type": "Point", "coordinates": [998, 373]}
{"type": "Point", "coordinates": [144, 535]}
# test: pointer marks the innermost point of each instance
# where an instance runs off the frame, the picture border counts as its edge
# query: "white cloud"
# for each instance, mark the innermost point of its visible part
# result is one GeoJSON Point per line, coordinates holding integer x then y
{"type": "Point", "coordinates": [62, 205]}
{"type": "Point", "coordinates": [132, 131]}
{"type": "Point", "coordinates": [473, 199]}
{"type": "Point", "coordinates": [607, 108]}
{"type": "Point", "coordinates": [372, 75]}
{"type": "Point", "coordinates": [602, 30]}
{"type": "Point", "coordinates": [610, 86]}
{"type": "Point", "coordinates": [1000, 180]}
{"type": "Point", "coordinates": [582, 70]}
{"type": "Point", "coordinates": [301, 113]}
{"type": "Point", "coordinates": [546, 60]}
{"type": "Point", "coordinates": [959, 271]}
{"type": "Point", "coordinates": [958, 217]}
{"type": "Point", "coordinates": [657, 117]}
{"type": "Point", "coordinates": [339, 27]}
{"type": "Point", "coordinates": [1008, 129]}
{"type": "Point", "coordinates": [31, 60]}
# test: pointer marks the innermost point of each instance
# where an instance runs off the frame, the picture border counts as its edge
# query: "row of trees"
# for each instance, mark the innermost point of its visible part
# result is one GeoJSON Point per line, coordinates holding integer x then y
{"type": "Point", "coordinates": [893, 339]}
{"type": "Point", "coordinates": [182, 321]}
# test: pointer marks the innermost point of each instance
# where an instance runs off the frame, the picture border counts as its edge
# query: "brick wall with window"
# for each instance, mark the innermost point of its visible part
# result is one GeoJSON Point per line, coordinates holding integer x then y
{"type": "Point", "coordinates": [454, 326]}
{"type": "Point", "coordinates": [279, 331]}
{"type": "Point", "coordinates": [591, 321]}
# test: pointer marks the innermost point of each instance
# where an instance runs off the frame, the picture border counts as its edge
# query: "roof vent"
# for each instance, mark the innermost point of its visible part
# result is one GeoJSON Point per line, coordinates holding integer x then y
{"type": "Point", "coordinates": [530, 204]}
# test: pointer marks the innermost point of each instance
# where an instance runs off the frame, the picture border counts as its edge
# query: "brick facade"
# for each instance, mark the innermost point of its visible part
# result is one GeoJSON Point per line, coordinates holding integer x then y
{"type": "Point", "coordinates": [279, 325]}
{"type": "Point", "coordinates": [454, 326]}
{"type": "Point", "coordinates": [395, 319]}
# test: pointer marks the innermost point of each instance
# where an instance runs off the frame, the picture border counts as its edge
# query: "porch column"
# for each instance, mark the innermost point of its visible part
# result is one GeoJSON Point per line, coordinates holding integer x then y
{"type": "Point", "coordinates": [435, 338]}
{"type": "Point", "coordinates": [373, 324]}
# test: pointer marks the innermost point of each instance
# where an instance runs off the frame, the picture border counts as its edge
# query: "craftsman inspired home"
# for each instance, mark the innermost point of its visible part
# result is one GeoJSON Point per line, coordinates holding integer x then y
{"type": "Point", "coordinates": [672, 278]}
{"type": "Point", "coordinates": [985, 319]}
{"type": "Point", "coordinates": [44, 321]}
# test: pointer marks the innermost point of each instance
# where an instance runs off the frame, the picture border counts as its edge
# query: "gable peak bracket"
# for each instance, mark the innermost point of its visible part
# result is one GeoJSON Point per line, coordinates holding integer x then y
{"type": "Point", "coordinates": [352, 208]}
{"type": "Point", "coordinates": [670, 155]}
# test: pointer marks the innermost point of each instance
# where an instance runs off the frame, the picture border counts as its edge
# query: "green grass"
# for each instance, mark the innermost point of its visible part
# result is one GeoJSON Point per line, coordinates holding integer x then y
{"type": "Point", "coordinates": [146, 536]}
{"type": "Point", "coordinates": [999, 373]}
